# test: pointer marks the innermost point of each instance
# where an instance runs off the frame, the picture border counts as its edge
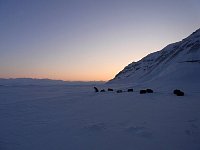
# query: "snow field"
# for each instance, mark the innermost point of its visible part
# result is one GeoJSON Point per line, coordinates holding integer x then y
{"type": "Point", "coordinates": [75, 117]}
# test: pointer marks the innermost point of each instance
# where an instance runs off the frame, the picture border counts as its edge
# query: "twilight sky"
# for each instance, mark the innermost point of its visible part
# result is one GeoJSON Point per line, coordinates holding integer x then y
{"type": "Point", "coordinates": [87, 39]}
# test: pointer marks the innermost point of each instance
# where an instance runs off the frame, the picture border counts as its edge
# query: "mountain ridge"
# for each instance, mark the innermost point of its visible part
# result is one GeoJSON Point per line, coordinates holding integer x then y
{"type": "Point", "coordinates": [173, 58]}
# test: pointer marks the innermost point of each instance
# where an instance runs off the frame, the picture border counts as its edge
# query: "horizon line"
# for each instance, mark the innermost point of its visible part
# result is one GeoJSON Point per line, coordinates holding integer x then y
{"type": "Point", "coordinates": [13, 78]}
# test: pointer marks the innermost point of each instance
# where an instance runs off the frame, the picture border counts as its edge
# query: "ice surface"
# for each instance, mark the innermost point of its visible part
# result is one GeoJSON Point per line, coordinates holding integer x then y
{"type": "Point", "coordinates": [60, 117]}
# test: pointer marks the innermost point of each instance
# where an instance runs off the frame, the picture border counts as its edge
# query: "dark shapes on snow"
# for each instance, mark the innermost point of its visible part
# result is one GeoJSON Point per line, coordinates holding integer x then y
{"type": "Point", "coordinates": [137, 68]}
{"type": "Point", "coordinates": [179, 93]}
{"type": "Point", "coordinates": [119, 91]}
{"type": "Point", "coordinates": [195, 47]}
{"type": "Point", "coordinates": [176, 91]}
{"type": "Point", "coordinates": [149, 90]}
{"type": "Point", "coordinates": [189, 45]}
{"type": "Point", "coordinates": [143, 91]}
{"type": "Point", "coordinates": [96, 89]}
{"type": "Point", "coordinates": [130, 90]}
{"type": "Point", "coordinates": [103, 90]}
{"type": "Point", "coordinates": [109, 89]}
{"type": "Point", "coordinates": [193, 61]}
{"type": "Point", "coordinates": [146, 91]}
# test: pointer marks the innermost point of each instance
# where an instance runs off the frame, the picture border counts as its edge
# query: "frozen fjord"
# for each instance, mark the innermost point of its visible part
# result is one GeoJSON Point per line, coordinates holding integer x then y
{"type": "Point", "coordinates": [74, 117]}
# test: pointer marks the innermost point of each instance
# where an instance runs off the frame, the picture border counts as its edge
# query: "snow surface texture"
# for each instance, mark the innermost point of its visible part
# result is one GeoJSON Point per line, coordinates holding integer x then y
{"type": "Point", "coordinates": [71, 117]}
{"type": "Point", "coordinates": [177, 65]}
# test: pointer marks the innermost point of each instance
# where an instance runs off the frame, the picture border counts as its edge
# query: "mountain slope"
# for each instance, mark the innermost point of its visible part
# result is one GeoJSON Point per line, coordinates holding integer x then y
{"type": "Point", "coordinates": [177, 63]}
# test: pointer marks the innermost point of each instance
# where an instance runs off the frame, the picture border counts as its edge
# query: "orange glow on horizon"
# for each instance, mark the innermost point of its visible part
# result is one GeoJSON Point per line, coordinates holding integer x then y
{"type": "Point", "coordinates": [66, 77]}
{"type": "Point", "coordinates": [85, 79]}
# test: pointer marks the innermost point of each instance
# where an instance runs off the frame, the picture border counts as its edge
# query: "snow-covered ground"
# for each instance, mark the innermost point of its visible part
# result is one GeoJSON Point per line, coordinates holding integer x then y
{"type": "Point", "coordinates": [63, 117]}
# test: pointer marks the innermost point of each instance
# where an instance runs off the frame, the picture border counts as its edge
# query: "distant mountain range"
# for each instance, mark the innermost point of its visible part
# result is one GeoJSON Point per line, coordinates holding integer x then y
{"type": "Point", "coordinates": [31, 81]}
{"type": "Point", "coordinates": [176, 64]}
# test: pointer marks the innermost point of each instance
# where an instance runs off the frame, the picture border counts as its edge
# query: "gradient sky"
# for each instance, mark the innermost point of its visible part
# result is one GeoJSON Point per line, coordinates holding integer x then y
{"type": "Point", "coordinates": [87, 39]}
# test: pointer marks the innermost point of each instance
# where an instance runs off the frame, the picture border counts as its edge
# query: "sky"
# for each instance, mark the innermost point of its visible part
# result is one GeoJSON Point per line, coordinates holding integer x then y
{"type": "Point", "coordinates": [87, 40]}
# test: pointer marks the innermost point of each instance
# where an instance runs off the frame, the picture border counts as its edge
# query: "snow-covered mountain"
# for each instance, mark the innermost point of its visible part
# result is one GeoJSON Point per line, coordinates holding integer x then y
{"type": "Point", "coordinates": [176, 64]}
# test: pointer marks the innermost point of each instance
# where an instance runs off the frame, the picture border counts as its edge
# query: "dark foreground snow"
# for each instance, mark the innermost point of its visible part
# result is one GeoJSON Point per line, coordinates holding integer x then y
{"type": "Point", "coordinates": [75, 118]}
